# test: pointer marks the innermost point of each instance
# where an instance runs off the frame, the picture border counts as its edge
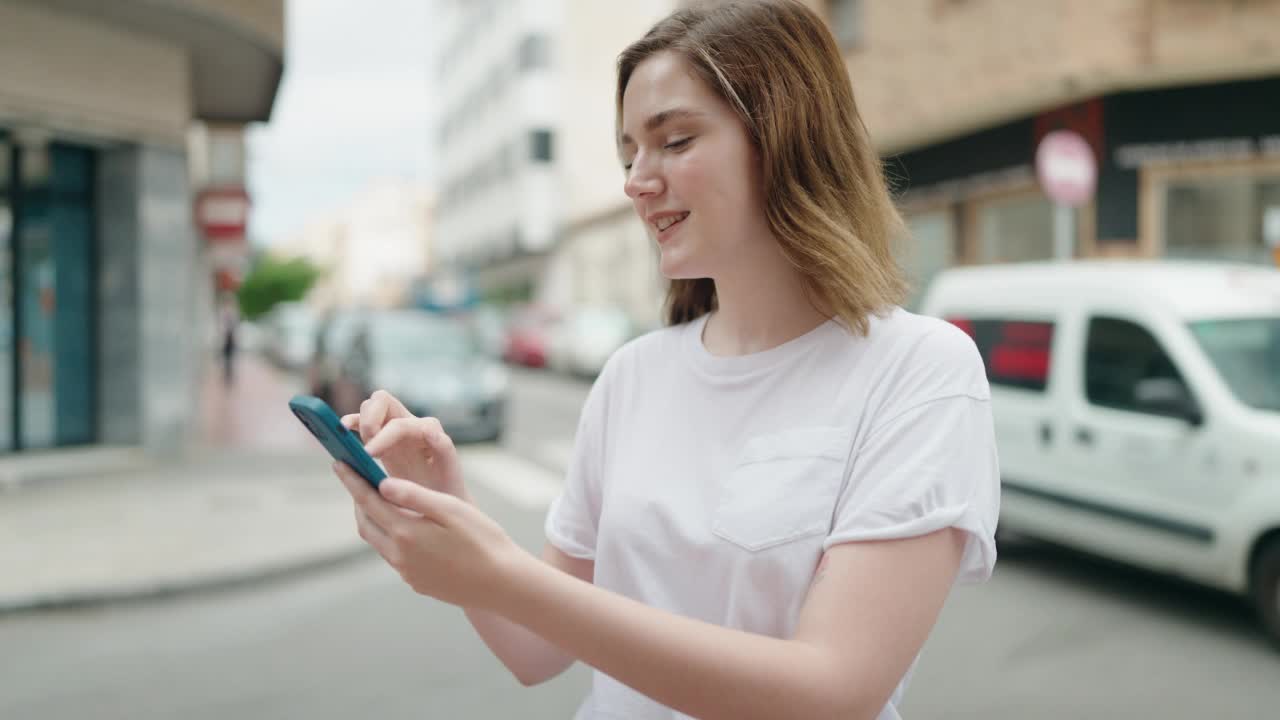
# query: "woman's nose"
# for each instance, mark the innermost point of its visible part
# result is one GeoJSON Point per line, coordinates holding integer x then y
{"type": "Point", "coordinates": [642, 180]}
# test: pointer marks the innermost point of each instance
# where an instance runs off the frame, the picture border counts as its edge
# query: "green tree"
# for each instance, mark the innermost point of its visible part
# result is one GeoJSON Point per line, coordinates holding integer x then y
{"type": "Point", "coordinates": [275, 280]}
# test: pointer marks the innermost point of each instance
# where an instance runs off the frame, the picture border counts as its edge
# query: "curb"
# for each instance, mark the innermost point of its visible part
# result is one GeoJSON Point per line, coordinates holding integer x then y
{"type": "Point", "coordinates": [101, 597]}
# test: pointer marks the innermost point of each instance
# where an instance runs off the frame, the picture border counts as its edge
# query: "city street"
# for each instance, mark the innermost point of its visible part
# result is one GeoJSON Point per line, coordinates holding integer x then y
{"type": "Point", "coordinates": [210, 207]}
{"type": "Point", "coordinates": [1053, 635]}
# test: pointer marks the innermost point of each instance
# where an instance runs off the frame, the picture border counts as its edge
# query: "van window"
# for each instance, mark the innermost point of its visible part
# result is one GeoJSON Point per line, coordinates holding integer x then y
{"type": "Point", "coordinates": [1246, 352]}
{"type": "Point", "coordinates": [1016, 352]}
{"type": "Point", "coordinates": [1118, 355]}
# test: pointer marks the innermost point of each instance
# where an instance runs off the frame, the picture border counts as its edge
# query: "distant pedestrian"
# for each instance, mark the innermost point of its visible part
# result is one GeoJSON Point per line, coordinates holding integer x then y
{"type": "Point", "coordinates": [228, 322]}
{"type": "Point", "coordinates": [768, 501]}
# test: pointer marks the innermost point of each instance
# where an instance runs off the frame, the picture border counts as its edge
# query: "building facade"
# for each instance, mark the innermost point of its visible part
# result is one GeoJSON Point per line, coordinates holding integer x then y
{"type": "Point", "coordinates": [605, 257]}
{"type": "Point", "coordinates": [104, 282]}
{"type": "Point", "coordinates": [1179, 101]}
{"type": "Point", "coordinates": [499, 210]}
{"type": "Point", "coordinates": [1176, 98]}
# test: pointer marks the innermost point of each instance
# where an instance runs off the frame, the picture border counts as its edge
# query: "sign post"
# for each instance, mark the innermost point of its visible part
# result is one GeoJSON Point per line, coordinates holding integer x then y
{"type": "Point", "coordinates": [222, 215]}
{"type": "Point", "coordinates": [1068, 173]}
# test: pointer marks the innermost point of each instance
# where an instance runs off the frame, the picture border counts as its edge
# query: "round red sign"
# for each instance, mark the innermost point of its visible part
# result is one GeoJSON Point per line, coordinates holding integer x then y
{"type": "Point", "coordinates": [222, 213]}
{"type": "Point", "coordinates": [1066, 168]}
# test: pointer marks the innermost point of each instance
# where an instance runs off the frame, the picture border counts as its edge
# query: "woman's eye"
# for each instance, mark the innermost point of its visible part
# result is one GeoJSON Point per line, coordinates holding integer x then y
{"type": "Point", "coordinates": [678, 144]}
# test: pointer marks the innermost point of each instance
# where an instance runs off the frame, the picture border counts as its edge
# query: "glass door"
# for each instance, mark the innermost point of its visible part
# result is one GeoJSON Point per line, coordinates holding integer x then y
{"type": "Point", "coordinates": [930, 250]}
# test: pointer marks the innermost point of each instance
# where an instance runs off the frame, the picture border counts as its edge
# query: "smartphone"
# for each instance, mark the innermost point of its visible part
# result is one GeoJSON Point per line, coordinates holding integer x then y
{"type": "Point", "coordinates": [341, 443]}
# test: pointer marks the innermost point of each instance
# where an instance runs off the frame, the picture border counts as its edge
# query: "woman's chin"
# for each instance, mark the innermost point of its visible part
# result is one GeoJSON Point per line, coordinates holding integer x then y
{"type": "Point", "coordinates": [674, 268]}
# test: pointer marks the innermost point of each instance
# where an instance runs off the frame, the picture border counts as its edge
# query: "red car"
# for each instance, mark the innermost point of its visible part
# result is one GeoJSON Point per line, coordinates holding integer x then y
{"type": "Point", "coordinates": [528, 334]}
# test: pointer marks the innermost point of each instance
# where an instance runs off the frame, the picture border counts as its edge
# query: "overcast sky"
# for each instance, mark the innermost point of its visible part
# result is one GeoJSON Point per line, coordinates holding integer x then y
{"type": "Point", "coordinates": [352, 109]}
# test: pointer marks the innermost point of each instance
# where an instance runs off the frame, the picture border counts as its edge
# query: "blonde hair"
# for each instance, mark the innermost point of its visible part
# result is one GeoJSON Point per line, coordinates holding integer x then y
{"type": "Point", "coordinates": [776, 64]}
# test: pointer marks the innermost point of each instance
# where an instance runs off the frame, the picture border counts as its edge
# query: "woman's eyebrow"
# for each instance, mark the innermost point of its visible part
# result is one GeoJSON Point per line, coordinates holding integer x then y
{"type": "Point", "coordinates": [659, 119]}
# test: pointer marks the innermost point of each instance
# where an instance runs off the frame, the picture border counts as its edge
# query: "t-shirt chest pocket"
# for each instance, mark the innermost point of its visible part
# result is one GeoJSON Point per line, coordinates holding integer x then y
{"type": "Point", "coordinates": [782, 487]}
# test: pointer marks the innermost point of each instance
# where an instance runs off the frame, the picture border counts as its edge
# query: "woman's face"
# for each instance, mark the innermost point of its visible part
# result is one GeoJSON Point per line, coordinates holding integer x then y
{"type": "Point", "coordinates": [693, 174]}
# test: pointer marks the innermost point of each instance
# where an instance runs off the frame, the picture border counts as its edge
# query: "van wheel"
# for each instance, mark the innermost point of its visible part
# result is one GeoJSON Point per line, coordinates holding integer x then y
{"type": "Point", "coordinates": [1266, 590]}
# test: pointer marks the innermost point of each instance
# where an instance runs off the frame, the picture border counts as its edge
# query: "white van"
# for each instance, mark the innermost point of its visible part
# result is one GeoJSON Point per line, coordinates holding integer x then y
{"type": "Point", "coordinates": [1137, 410]}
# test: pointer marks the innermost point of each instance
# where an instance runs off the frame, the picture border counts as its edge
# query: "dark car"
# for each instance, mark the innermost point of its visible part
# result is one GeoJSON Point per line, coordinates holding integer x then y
{"type": "Point", "coordinates": [433, 364]}
{"type": "Point", "coordinates": [332, 341]}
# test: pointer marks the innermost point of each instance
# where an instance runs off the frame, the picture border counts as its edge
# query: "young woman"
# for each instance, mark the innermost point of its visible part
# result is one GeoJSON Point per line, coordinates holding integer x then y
{"type": "Point", "coordinates": [770, 499]}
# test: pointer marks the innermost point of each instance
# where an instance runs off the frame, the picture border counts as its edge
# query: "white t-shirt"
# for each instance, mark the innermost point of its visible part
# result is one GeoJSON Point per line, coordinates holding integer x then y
{"type": "Point", "coordinates": [710, 486]}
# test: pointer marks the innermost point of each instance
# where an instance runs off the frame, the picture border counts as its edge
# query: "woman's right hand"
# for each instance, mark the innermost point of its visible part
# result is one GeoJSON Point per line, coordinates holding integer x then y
{"type": "Point", "coordinates": [409, 447]}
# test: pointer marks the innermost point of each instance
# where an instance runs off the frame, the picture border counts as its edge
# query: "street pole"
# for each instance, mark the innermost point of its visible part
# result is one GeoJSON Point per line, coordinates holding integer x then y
{"type": "Point", "coordinates": [1063, 229]}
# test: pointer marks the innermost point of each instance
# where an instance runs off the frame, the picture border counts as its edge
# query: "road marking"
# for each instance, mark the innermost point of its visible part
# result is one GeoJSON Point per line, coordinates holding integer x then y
{"type": "Point", "coordinates": [520, 481]}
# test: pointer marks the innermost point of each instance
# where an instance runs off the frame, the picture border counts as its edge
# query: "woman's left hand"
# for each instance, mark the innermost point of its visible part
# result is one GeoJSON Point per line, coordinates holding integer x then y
{"type": "Point", "coordinates": [442, 546]}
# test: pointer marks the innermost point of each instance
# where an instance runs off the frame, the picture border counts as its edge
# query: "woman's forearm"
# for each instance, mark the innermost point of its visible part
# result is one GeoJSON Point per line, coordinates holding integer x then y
{"type": "Point", "coordinates": [531, 659]}
{"type": "Point", "coordinates": [697, 668]}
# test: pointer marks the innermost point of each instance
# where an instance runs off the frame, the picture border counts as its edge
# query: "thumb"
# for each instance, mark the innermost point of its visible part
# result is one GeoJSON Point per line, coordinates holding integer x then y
{"type": "Point", "coordinates": [435, 506]}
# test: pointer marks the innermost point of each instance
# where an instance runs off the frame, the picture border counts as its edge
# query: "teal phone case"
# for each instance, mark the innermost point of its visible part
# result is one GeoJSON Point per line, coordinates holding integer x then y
{"type": "Point", "coordinates": [341, 443]}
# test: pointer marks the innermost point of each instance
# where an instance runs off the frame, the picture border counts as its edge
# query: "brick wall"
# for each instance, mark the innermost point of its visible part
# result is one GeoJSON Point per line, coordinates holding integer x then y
{"type": "Point", "coordinates": [932, 69]}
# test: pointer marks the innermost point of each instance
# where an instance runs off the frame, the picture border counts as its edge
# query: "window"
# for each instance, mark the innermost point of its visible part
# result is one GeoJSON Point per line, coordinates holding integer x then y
{"type": "Point", "coordinates": [1222, 217]}
{"type": "Point", "coordinates": [846, 22]}
{"type": "Point", "coordinates": [7, 355]}
{"type": "Point", "coordinates": [535, 52]}
{"type": "Point", "coordinates": [1119, 355]}
{"type": "Point", "coordinates": [1246, 352]}
{"type": "Point", "coordinates": [1016, 229]}
{"type": "Point", "coordinates": [1016, 353]}
{"type": "Point", "coordinates": [540, 146]}
{"type": "Point", "coordinates": [929, 250]}
{"type": "Point", "coordinates": [51, 249]}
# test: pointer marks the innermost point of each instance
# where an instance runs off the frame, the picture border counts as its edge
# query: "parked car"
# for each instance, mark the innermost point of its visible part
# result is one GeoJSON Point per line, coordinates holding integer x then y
{"type": "Point", "coordinates": [434, 365]}
{"type": "Point", "coordinates": [1137, 411]}
{"type": "Point", "coordinates": [489, 324]}
{"type": "Point", "coordinates": [290, 330]}
{"type": "Point", "coordinates": [528, 335]}
{"type": "Point", "coordinates": [588, 336]}
{"type": "Point", "coordinates": [333, 337]}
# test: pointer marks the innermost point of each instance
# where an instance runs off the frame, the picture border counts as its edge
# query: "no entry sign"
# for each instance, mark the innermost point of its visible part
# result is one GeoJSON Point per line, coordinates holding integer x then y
{"type": "Point", "coordinates": [1066, 168]}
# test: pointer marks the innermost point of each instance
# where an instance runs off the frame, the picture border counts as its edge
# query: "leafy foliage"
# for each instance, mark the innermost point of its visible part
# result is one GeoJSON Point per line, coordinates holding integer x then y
{"type": "Point", "coordinates": [275, 280]}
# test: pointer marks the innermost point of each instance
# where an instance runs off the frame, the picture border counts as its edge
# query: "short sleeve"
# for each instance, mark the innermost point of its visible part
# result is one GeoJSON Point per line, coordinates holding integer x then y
{"type": "Point", "coordinates": [931, 466]}
{"type": "Point", "coordinates": [574, 517]}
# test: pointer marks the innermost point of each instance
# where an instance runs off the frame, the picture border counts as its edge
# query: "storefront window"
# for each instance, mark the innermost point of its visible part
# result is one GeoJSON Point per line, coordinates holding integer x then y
{"type": "Point", "coordinates": [36, 303]}
{"type": "Point", "coordinates": [1221, 218]}
{"type": "Point", "coordinates": [929, 250]}
{"type": "Point", "coordinates": [6, 300]}
{"type": "Point", "coordinates": [1015, 229]}
{"type": "Point", "coordinates": [53, 273]}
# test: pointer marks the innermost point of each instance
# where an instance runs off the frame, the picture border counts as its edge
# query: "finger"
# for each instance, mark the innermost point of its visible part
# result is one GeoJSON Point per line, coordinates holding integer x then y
{"type": "Point", "coordinates": [370, 530]}
{"type": "Point", "coordinates": [400, 430]}
{"type": "Point", "coordinates": [440, 508]}
{"type": "Point", "coordinates": [377, 411]}
{"type": "Point", "coordinates": [440, 447]}
{"type": "Point", "coordinates": [351, 480]}
{"type": "Point", "coordinates": [351, 422]}
{"type": "Point", "coordinates": [376, 537]}
{"type": "Point", "coordinates": [429, 433]}
{"type": "Point", "coordinates": [373, 413]}
{"type": "Point", "coordinates": [395, 408]}
{"type": "Point", "coordinates": [367, 499]}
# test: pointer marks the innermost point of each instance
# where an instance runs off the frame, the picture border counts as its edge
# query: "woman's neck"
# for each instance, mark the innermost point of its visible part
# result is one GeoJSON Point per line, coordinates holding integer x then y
{"type": "Point", "coordinates": [759, 312]}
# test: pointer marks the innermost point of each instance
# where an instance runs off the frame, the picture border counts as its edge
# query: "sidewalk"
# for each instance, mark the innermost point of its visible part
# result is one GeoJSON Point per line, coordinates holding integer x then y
{"type": "Point", "coordinates": [254, 499]}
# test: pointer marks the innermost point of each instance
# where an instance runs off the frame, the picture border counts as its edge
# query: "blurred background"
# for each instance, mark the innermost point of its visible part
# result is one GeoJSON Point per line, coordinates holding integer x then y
{"type": "Point", "coordinates": [207, 206]}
